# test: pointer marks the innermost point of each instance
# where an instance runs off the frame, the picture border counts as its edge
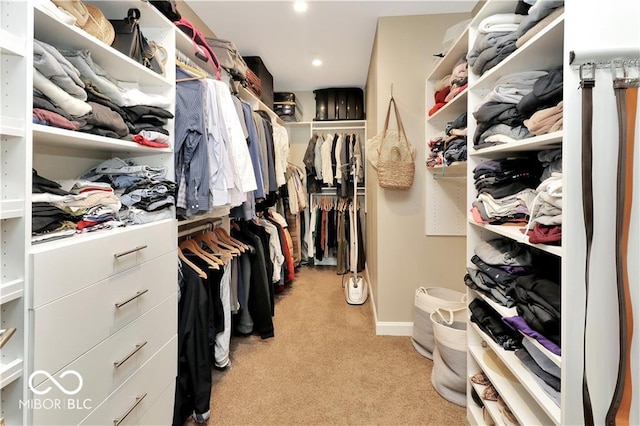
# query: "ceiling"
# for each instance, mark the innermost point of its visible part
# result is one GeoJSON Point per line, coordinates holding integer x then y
{"type": "Point", "coordinates": [340, 33]}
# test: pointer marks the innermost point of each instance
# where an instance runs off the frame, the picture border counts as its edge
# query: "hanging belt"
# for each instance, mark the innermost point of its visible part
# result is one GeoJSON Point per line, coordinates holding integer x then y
{"type": "Point", "coordinates": [587, 82]}
{"type": "Point", "coordinates": [626, 102]}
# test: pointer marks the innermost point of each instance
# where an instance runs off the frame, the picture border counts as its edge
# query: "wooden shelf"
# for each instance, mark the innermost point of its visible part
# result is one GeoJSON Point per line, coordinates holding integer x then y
{"type": "Point", "coordinates": [474, 414]}
{"type": "Point", "coordinates": [257, 104]}
{"type": "Point", "coordinates": [513, 232]}
{"type": "Point", "coordinates": [536, 143]}
{"type": "Point", "coordinates": [47, 135]}
{"type": "Point", "coordinates": [524, 376]}
{"type": "Point", "coordinates": [11, 290]}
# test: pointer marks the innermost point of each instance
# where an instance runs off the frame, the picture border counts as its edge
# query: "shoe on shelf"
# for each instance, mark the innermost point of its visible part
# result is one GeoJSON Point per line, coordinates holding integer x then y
{"type": "Point", "coordinates": [5, 335]}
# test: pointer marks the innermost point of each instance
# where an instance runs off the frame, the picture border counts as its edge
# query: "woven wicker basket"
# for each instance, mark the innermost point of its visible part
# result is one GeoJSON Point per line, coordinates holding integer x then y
{"type": "Point", "coordinates": [395, 165]}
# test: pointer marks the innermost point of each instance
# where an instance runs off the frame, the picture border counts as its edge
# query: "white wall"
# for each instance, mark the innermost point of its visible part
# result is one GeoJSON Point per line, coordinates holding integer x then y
{"type": "Point", "coordinates": [400, 257]}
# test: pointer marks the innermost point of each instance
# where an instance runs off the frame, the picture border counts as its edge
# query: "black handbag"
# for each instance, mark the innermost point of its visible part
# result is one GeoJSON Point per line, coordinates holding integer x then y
{"type": "Point", "coordinates": [130, 41]}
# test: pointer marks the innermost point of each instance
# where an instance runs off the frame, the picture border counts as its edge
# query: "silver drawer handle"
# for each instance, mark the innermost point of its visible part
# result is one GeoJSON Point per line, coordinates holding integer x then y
{"type": "Point", "coordinates": [133, 352]}
{"type": "Point", "coordinates": [139, 399]}
{"type": "Point", "coordinates": [124, 253]}
{"type": "Point", "coordinates": [132, 298]}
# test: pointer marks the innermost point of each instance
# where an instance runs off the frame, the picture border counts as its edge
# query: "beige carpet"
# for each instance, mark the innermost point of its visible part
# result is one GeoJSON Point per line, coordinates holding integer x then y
{"type": "Point", "coordinates": [326, 366]}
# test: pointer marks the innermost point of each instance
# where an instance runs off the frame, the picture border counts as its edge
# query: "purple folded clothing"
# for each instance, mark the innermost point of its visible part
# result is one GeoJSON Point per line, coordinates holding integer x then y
{"type": "Point", "coordinates": [518, 323]}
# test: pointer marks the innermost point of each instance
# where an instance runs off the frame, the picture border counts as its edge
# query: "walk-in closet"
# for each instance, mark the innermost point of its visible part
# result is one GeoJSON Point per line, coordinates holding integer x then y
{"type": "Point", "coordinates": [310, 212]}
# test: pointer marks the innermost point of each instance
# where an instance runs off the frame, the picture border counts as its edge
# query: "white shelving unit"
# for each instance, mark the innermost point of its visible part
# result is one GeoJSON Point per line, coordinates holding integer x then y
{"type": "Point", "coordinates": [44, 288]}
{"type": "Point", "coordinates": [16, 26]}
{"type": "Point", "coordinates": [300, 132]}
{"type": "Point", "coordinates": [445, 198]}
{"type": "Point", "coordinates": [526, 399]}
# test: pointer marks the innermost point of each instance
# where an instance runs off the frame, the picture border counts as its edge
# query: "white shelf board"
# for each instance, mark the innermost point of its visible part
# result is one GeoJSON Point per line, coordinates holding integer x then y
{"type": "Point", "coordinates": [556, 359]}
{"type": "Point", "coordinates": [455, 169]}
{"type": "Point", "coordinates": [10, 126]}
{"type": "Point", "coordinates": [10, 372]}
{"type": "Point", "coordinates": [54, 136]}
{"type": "Point", "coordinates": [338, 124]}
{"type": "Point", "coordinates": [446, 64]}
{"type": "Point", "coordinates": [185, 45]}
{"type": "Point", "coordinates": [11, 44]}
{"type": "Point", "coordinates": [118, 65]}
{"type": "Point", "coordinates": [492, 8]}
{"type": "Point", "coordinates": [452, 109]}
{"type": "Point", "coordinates": [536, 143]}
{"type": "Point", "coordinates": [502, 310]}
{"type": "Point", "coordinates": [492, 406]}
{"type": "Point", "coordinates": [11, 290]}
{"type": "Point", "coordinates": [10, 209]}
{"type": "Point", "coordinates": [524, 376]}
{"type": "Point", "coordinates": [519, 401]}
{"type": "Point", "coordinates": [216, 213]}
{"type": "Point", "coordinates": [513, 232]}
{"type": "Point", "coordinates": [541, 52]}
{"type": "Point", "coordinates": [79, 238]}
{"type": "Point", "coordinates": [474, 414]}
{"type": "Point", "coordinates": [257, 104]}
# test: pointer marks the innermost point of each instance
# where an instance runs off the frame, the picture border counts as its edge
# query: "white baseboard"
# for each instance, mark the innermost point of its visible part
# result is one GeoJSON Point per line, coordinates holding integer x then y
{"type": "Point", "coordinates": [386, 328]}
{"type": "Point", "coordinates": [392, 328]}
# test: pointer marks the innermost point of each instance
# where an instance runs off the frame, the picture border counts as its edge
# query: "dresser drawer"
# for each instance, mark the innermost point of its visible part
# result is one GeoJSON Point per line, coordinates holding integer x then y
{"type": "Point", "coordinates": [130, 347]}
{"type": "Point", "coordinates": [134, 398]}
{"type": "Point", "coordinates": [62, 267]}
{"type": "Point", "coordinates": [161, 412]}
{"type": "Point", "coordinates": [70, 326]}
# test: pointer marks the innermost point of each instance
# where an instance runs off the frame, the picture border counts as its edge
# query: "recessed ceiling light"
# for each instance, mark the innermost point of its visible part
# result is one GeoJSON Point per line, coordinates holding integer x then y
{"type": "Point", "coordinates": [316, 62]}
{"type": "Point", "coordinates": [300, 6]}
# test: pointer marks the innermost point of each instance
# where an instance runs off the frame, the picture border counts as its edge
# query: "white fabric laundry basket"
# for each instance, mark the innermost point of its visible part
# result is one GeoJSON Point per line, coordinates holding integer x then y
{"type": "Point", "coordinates": [449, 373]}
{"type": "Point", "coordinates": [427, 300]}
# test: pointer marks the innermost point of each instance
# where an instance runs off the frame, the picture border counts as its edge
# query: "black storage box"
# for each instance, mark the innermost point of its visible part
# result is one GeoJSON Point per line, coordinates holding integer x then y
{"type": "Point", "coordinates": [345, 103]}
{"type": "Point", "coordinates": [258, 67]}
{"type": "Point", "coordinates": [285, 105]}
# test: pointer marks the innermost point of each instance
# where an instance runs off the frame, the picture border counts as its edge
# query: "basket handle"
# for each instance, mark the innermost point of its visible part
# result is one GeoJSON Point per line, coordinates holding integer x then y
{"type": "Point", "coordinates": [449, 312]}
{"type": "Point", "coordinates": [400, 127]}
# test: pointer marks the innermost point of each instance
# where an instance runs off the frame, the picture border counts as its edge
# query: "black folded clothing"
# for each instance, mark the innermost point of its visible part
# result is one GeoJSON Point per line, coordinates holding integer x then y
{"type": "Point", "coordinates": [538, 301]}
{"type": "Point", "coordinates": [491, 324]}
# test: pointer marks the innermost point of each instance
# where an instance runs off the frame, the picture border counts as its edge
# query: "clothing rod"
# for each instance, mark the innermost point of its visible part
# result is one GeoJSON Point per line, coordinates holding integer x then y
{"type": "Point", "coordinates": [336, 128]}
{"type": "Point", "coordinates": [195, 229]}
{"type": "Point", "coordinates": [603, 55]}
